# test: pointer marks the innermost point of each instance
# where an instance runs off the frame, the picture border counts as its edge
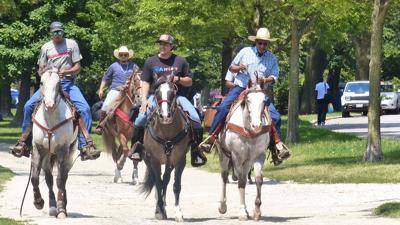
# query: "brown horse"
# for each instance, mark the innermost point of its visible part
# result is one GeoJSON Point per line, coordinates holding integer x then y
{"type": "Point", "coordinates": [166, 141]}
{"type": "Point", "coordinates": [117, 126]}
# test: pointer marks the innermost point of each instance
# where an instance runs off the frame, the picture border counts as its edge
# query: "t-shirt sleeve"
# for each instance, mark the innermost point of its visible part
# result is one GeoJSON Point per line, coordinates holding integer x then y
{"type": "Point", "coordinates": [108, 74]}
{"type": "Point", "coordinates": [76, 53]}
{"type": "Point", "coordinates": [327, 86]}
{"type": "Point", "coordinates": [185, 69]}
{"type": "Point", "coordinates": [147, 73]}
{"type": "Point", "coordinates": [42, 60]}
{"type": "Point", "coordinates": [316, 87]}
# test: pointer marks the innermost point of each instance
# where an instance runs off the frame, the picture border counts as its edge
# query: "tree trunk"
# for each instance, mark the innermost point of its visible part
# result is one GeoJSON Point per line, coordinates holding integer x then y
{"type": "Point", "coordinates": [374, 151]}
{"type": "Point", "coordinates": [316, 63]}
{"type": "Point", "coordinates": [5, 99]}
{"type": "Point", "coordinates": [362, 46]}
{"type": "Point", "coordinates": [24, 95]}
{"type": "Point", "coordinates": [226, 62]}
{"type": "Point", "coordinates": [333, 81]}
{"type": "Point", "coordinates": [293, 107]}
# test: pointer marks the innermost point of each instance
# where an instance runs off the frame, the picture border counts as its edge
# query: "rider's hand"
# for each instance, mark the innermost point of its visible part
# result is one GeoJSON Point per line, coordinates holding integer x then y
{"type": "Point", "coordinates": [176, 79]}
{"type": "Point", "coordinates": [260, 80]}
{"type": "Point", "coordinates": [100, 93]}
{"type": "Point", "coordinates": [242, 67]}
{"type": "Point", "coordinates": [144, 105]}
{"type": "Point", "coordinates": [61, 73]}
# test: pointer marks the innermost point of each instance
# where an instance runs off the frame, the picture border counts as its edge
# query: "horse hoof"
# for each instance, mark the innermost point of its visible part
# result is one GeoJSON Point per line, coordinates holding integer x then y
{"type": "Point", "coordinates": [257, 215]}
{"type": "Point", "coordinates": [39, 204]}
{"type": "Point", "coordinates": [52, 211]}
{"type": "Point", "coordinates": [223, 208]}
{"type": "Point", "coordinates": [135, 181]}
{"type": "Point", "coordinates": [160, 216]}
{"type": "Point", "coordinates": [62, 214]}
{"type": "Point", "coordinates": [117, 175]}
{"type": "Point", "coordinates": [179, 219]}
{"type": "Point", "coordinates": [243, 217]}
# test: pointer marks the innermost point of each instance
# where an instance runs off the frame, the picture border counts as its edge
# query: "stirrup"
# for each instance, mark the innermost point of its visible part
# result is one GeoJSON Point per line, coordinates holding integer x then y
{"type": "Point", "coordinates": [20, 149]}
{"type": "Point", "coordinates": [207, 144]}
{"type": "Point", "coordinates": [135, 154]}
{"type": "Point", "coordinates": [89, 152]}
{"type": "Point", "coordinates": [283, 153]}
{"type": "Point", "coordinates": [197, 158]}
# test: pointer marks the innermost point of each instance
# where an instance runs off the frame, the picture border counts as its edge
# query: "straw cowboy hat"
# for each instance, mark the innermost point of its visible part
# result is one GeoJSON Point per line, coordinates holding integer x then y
{"type": "Point", "coordinates": [262, 34]}
{"type": "Point", "coordinates": [123, 49]}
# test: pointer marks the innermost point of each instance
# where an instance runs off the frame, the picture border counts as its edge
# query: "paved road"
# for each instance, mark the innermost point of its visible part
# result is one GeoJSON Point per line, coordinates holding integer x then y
{"type": "Point", "coordinates": [358, 125]}
{"type": "Point", "coordinates": [93, 199]}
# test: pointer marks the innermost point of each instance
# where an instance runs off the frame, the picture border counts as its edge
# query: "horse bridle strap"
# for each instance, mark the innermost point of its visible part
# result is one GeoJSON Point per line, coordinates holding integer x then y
{"type": "Point", "coordinates": [168, 144]}
{"type": "Point", "coordinates": [245, 132]}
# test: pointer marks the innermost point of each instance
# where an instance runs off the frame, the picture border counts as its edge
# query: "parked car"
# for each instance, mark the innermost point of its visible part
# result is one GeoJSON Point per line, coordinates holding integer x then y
{"type": "Point", "coordinates": [355, 98]}
{"type": "Point", "coordinates": [390, 100]}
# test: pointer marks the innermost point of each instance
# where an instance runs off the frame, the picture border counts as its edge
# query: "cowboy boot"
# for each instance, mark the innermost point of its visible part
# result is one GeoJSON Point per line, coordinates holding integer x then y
{"type": "Point", "coordinates": [21, 148]}
{"type": "Point", "coordinates": [279, 151]}
{"type": "Point", "coordinates": [89, 152]}
{"type": "Point", "coordinates": [99, 129]}
{"type": "Point", "coordinates": [197, 156]}
{"type": "Point", "coordinates": [206, 146]}
{"type": "Point", "coordinates": [137, 144]}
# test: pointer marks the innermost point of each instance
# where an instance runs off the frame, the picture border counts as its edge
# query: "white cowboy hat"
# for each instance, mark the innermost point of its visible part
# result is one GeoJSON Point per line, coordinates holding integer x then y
{"type": "Point", "coordinates": [123, 49]}
{"type": "Point", "coordinates": [262, 34]}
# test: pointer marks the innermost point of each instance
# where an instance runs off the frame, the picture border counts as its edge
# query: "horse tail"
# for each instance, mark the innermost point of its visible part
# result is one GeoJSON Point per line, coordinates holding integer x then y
{"type": "Point", "coordinates": [148, 184]}
{"type": "Point", "coordinates": [109, 139]}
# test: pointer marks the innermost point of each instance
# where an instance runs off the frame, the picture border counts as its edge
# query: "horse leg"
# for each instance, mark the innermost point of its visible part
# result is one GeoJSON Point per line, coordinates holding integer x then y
{"type": "Point", "coordinates": [258, 166]}
{"type": "Point", "coordinates": [249, 176]}
{"type": "Point", "coordinates": [160, 212]}
{"type": "Point", "coordinates": [177, 189]}
{"type": "Point", "coordinates": [36, 167]}
{"type": "Point", "coordinates": [225, 166]}
{"type": "Point", "coordinates": [125, 150]}
{"type": "Point", "coordinates": [117, 173]}
{"type": "Point", "coordinates": [165, 180]}
{"type": "Point", "coordinates": [62, 193]}
{"type": "Point", "coordinates": [243, 214]}
{"type": "Point", "coordinates": [135, 172]}
{"type": "Point", "coordinates": [52, 197]}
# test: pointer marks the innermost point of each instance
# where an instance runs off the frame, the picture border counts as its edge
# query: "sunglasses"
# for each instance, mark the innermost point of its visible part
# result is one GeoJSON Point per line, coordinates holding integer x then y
{"type": "Point", "coordinates": [124, 55]}
{"type": "Point", "coordinates": [57, 33]}
{"type": "Point", "coordinates": [262, 43]}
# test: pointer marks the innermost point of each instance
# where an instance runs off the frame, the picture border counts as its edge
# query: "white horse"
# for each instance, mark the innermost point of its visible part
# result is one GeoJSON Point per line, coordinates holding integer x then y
{"type": "Point", "coordinates": [54, 142]}
{"type": "Point", "coordinates": [243, 145]}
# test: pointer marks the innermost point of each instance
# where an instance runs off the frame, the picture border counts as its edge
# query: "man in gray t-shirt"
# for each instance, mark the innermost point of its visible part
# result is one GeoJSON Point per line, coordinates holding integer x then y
{"type": "Point", "coordinates": [62, 54]}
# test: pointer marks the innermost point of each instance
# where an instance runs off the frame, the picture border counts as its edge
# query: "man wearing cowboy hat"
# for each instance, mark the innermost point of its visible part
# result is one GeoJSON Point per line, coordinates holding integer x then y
{"type": "Point", "coordinates": [63, 54]}
{"type": "Point", "coordinates": [163, 64]}
{"type": "Point", "coordinates": [118, 72]}
{"type": "Point", "coordinates": [255, 60]}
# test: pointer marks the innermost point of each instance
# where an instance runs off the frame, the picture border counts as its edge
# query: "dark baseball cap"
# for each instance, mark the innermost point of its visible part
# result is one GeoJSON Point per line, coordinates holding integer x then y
{"type": "Point", "coordinates": [166, 38]}
{"type": "Point", "coordinates": [56, 26]}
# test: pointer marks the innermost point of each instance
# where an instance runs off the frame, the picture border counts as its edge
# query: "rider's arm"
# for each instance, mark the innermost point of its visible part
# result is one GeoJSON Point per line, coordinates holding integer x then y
{"type": "Point", "coordinates": [184, 81]}
{"type": "Point", "coordinates": [145, 88]}
{"type": "Point", "coordinates": [75, 69]}
{"type": "Point", "coordinates": [229, 84]}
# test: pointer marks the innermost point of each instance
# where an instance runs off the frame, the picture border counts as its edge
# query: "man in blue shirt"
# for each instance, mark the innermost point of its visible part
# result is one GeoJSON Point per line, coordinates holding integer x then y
{"type": "Point", "coordinates": [119, 72]}
{"type": "Point", "coordinates": [255, 60]}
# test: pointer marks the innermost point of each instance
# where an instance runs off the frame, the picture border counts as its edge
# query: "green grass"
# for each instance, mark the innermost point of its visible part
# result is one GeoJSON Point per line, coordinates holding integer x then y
{"type": "Point", "coordinates": [6, 221]}
{"type": "Point", "coordinates": [323, 156]}
{"type": "Point", "coordinates": [390, 209]}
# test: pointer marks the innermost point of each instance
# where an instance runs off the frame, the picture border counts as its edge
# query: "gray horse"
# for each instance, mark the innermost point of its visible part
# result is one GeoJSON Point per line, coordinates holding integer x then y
{"type": "Point", "coordinates": [242, 146]}
{"type": "Point", "coordinates": [166, 141]}
{"type": "Point", "coordinates": [54, 142]}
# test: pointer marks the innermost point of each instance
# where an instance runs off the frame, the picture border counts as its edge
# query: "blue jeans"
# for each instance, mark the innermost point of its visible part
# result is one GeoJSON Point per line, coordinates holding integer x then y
{"type": "Point", "coordinates": [76, 97]}
{"type": "Point", "coordinates": [223, 109]}
{"type": "Point", "coordinates": [182, 101]}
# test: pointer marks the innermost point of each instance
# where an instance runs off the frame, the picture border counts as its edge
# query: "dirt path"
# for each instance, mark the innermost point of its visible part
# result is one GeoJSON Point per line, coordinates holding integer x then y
{"type": "Point", "coordinates": [93, 198]}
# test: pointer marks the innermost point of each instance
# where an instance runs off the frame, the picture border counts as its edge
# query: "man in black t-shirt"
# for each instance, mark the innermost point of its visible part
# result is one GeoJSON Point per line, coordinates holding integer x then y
{"type": "Point", "coordinates": [163, 64]}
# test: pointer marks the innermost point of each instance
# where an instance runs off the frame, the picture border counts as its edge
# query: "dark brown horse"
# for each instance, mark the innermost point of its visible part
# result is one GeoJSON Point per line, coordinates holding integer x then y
{"type": "Point", "coordinates": [117, 126]}
{"type": "Point", "coordinates": [166, 141]}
